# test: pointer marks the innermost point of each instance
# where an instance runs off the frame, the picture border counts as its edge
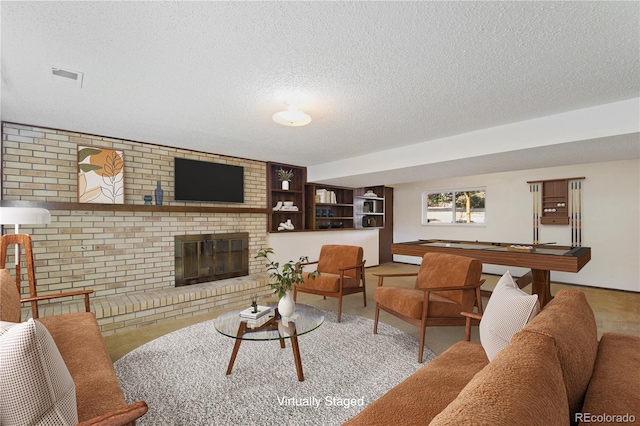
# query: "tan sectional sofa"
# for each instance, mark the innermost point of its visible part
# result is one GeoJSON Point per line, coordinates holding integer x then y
{"type": "Point", "coordinates": [553, 372]}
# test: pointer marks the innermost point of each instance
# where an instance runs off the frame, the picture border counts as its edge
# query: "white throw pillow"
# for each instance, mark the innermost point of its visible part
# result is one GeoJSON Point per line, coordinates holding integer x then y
{"type": "Point", "coordinates": [35, 385]}
{"type": "Point", "coordinates": [508, 310]}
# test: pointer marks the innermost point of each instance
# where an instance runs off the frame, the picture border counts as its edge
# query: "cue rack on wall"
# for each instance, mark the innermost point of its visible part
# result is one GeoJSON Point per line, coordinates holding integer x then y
{"type": "Point", "coordinates": [558, 202]}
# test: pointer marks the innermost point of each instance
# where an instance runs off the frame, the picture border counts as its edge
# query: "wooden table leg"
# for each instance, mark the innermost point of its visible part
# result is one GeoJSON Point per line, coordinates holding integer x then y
{"type": "Point", "coordinates": [540, 281]}
{"type": "Point", "coordinates": [296, 349]}
{"type": "Point", "coordinates": [241, 330]}
{"type": "Point", "coordinates": [271, 325]}
{"type": "Point", "coordinates": [541, 285]}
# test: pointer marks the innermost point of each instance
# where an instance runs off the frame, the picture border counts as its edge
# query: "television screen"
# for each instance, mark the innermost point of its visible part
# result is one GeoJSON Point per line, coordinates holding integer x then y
{"type": "Point", "coordinates": [203, 181]}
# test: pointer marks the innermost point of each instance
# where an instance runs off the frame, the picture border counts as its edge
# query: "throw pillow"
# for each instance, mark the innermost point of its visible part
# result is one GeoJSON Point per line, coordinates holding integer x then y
{"type": "Point", "coordinates": [35, 385]}
{"type": "Point", "coordinates": [508, 310]}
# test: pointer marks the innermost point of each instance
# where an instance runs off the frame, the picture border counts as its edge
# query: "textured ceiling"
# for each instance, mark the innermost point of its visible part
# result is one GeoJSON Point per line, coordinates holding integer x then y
{"type": "Point", "coordinates": [373, 75]}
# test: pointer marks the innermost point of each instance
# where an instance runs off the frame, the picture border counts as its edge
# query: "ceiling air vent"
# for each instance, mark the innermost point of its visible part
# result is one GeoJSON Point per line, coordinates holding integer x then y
{"type": "Point", "coordinates": [67, 77]}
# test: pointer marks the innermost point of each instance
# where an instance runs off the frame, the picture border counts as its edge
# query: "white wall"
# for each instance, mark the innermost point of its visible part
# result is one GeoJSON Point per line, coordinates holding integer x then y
{"type": "Point", "coordinates": [292, 245]}
{"type": "Point", "coordinates": [610, 219]}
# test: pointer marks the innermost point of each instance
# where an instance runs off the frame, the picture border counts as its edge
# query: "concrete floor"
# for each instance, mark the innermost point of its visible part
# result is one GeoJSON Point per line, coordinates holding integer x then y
{"type": "Point", "coordinates": [614, 310]}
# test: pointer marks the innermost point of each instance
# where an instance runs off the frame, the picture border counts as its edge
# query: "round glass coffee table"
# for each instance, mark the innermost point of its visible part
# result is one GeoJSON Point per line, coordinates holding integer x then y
{"type": "Point", "coordinates": [271, 326]}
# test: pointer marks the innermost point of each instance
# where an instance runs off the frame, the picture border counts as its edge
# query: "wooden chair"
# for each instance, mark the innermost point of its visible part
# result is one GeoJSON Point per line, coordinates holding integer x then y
{"type": "Point", "coordinates": [446, 285]}
{"type": "Point", "coordinates": [341, 273]}
{"type": "Point", "coordinates": [24, 240]}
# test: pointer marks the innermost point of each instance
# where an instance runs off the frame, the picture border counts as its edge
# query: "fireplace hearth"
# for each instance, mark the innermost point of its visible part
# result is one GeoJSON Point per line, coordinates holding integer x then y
{"type": "Point", "coordinates": [210, 257]}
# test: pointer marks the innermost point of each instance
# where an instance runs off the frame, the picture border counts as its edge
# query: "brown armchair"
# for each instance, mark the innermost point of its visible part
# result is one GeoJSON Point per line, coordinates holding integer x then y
{"type": "Point", "coordinates": [446, 285]}
{"type": "Point", "coordinates": [341, 273]}
{"type": "Point", "coordinates": [77, 336]}
{"type": "Point", "coordinates": [24, 240]}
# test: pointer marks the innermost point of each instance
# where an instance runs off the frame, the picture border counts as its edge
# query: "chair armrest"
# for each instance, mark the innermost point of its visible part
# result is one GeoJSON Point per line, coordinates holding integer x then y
{"type": "Point", "coordinates": [34, 300]}
{"type": "Point", "coordinates": [56, 295]}
{"type": "Point", "coordinates": [121, 416]}
{"type": "Point", "coordinates": [467, 324]}
{"type": "Point", "coordinates": [309, 263]}
{"type": "Point", "coordinates": [396, 275]}
{"type": "Point", "coordinates": [381, 277]}
{"type": "Point", "coordinates": [471, 315]}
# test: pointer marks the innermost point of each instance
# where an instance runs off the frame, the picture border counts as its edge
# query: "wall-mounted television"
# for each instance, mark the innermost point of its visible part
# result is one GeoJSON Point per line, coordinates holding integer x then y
{"type": "Point", "coordinates": [205, 181]}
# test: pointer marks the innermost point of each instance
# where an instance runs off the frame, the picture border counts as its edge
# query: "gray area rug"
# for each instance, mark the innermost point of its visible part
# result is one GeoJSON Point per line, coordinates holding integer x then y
{"type": "Point", "coordinates": [182, 377]}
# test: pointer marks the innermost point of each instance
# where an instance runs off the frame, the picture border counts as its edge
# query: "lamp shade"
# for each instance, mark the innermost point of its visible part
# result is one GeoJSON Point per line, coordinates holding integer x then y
{"type": "Point", "coordinates": [24, 216]}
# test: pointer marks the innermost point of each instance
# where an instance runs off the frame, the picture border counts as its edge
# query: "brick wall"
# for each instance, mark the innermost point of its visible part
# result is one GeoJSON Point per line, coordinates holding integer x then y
{"type": "Point", "coordinates": [115, 252]}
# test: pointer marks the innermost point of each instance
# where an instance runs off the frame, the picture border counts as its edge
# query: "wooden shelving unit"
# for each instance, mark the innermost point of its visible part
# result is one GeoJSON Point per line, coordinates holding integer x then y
{"type": "Point", "coordinates": [555, 202]}
{"type": "Point", "coordinates": [350, 208]}
{"type": "Point", "coordinates": [369, 209]}
{"type": "Point", "coordinates": [328, 214]}
{"type": "Point", "coordinates": [295, 193]}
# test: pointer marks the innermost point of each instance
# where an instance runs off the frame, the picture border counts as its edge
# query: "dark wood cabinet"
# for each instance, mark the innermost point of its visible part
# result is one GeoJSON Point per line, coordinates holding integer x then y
{"type": "Point", "coordinates": [555, 202]}
{"type": "Point", "coordinates": [328, 207]}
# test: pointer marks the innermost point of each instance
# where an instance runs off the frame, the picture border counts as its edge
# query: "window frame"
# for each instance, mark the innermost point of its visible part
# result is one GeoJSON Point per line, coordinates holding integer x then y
{"type": "Point", "coordinates": [454, 192]}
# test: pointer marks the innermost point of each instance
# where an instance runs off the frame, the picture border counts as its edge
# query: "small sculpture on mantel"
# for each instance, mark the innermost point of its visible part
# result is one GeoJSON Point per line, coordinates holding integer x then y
{"type": "Point", "coordinates": [286, 226]}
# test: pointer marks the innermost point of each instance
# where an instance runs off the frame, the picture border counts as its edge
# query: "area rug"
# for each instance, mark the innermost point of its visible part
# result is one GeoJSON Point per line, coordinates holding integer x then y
{"type": "Point", "coordinates": [182, 377]}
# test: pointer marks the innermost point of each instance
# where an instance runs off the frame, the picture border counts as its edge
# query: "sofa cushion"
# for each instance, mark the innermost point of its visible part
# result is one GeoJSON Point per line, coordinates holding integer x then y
{"type": "Point", "coordinates": [408, 301]}
{"type": "Point", "coordinates": [523, 385]}
{"type": "Point", "coordinates": [9, 298]}
{"type": "Point", "coordinates": [83, 349]}
{"type": "Point", "coordinates": [613, 388]}
{"type": "Point", "coordinates": [508, 310]}
{"type": "Point", "coordinates": [569, 319]}
{"type": "Point", "coordinates": [425, 393]}
{"type": "Point", "coordinates": [328, 282]}
{"type": "Point", "coordinates": [35, 385]}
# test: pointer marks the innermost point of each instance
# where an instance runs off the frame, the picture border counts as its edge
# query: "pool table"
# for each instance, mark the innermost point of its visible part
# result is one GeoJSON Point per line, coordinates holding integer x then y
{"type": "Point", "coordinates": [544, 259]}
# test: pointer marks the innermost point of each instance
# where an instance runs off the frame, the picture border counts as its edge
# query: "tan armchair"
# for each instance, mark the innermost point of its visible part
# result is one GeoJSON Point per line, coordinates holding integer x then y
{"type": "Point", "coordinates": [341, 273]}
{"type": "Point", "coordinates": [446, 285]}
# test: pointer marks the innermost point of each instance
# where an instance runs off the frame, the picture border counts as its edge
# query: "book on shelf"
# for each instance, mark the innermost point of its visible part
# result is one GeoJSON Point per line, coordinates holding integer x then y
{"type": "Point", "coordinates": [323, 195]}
{"type": "Point", "coordinates": [248, 313]}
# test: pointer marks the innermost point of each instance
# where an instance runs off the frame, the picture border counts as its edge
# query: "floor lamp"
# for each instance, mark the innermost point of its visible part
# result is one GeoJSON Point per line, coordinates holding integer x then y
{"type": "Point", "coordinates": [23, 216]}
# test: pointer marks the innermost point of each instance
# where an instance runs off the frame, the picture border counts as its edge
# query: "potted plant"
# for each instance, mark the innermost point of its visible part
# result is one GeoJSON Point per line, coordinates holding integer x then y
{"type": "Point", "coordinates": [284, 278]}
{"type": "Point", "coordinates": [285, 177]}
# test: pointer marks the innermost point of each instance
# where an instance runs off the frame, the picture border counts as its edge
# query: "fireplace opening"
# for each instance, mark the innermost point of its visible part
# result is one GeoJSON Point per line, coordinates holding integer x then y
{"type": "Point", "coordinates": [210, 257]}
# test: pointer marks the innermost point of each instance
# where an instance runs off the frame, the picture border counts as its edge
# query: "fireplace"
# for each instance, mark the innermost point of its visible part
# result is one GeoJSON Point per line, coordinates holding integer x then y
{"type": "Point", "coordinates": [211, 257]}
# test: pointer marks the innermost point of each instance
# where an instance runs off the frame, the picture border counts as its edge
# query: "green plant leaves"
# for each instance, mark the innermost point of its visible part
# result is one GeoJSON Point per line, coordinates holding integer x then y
{"type": "Point", "coordinates": [282, 280]}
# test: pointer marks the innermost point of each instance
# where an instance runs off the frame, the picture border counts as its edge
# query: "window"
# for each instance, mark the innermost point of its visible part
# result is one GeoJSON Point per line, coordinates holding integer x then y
{"type": "Point", "coordinates": [454, 207]}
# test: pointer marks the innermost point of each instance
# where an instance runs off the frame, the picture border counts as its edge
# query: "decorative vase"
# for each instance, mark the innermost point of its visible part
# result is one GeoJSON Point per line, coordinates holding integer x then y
{"type": "Point", "coordinates": [159, 194]}
{"type": "Point", "coordinates": [147, 200]}
{"type": "Point", "coordinates": [285, 185]}
{"type": "Point", "coordinates": [286, 305]}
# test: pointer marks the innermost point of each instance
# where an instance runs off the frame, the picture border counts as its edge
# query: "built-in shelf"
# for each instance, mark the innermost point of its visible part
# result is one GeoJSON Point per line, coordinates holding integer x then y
{"type": "Point", "coordinates": [59, 205]}
{"type": "Point", "coordinates": [369, 209]}
{"type": "Point", "coordinates": [324, 215]}
{"type": "Point", "coordinates": [276, 194]}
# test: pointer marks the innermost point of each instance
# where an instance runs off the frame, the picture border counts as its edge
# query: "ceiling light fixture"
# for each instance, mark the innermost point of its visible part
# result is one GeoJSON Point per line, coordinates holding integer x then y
{"type": "Point", "coordinates": [291, 117]}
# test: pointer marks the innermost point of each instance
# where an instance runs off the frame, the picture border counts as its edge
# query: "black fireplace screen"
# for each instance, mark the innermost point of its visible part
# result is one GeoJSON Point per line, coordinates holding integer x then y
{"type": "Point", "coordinates": [211, 257]}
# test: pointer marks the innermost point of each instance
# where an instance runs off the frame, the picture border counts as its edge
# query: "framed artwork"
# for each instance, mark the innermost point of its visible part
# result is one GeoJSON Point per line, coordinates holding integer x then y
{"type": "Point", "coordinates": [100, 175]}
